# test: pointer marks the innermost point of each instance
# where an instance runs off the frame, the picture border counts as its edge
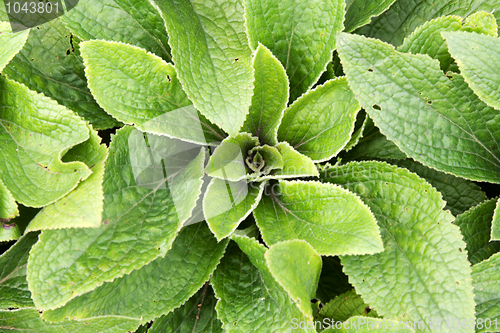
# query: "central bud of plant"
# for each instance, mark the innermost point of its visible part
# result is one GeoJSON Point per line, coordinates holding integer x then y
{"type": "Point", "coordinates": [261, 160]}
{"type": "Point", "coordinates": [255, 161]}
{"type": "Point", "coordinates": [243, 157]}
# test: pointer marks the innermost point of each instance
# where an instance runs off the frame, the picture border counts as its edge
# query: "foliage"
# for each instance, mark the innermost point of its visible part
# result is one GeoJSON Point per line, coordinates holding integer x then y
{"type": "Point", "coordinates": [273, 165]}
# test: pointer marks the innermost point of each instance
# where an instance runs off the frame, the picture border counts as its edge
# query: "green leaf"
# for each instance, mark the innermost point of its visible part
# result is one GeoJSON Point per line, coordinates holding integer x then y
{"type": "Point", "coordinates": [137, 87]}
{"type": "Point", "coordinates": [50, 64]}
{"type": "Point", "coordinates": [301, 34]}
{"type": "Point", "coordinates": [360, 12]}
{"type": "Point", "coordinates": [427, 38]}
{"type": "Point", "coordinates": [475, 55]}
{"type": "Point", "coordinates": [149, 292]}
{"type": "Point", "coordinates": [141, 218]}
{"type": "Point", "coordinates": [459, 194]}
{"type": "Point", "coordinates": [218, 76]}
{"type": "Point", "coordinates": [404, 16]}
{"type": "Point", "coordinates": [249, 298]}
{"type": "Point", "coordinates": [14, 291]}
{"type": "Point", "coordinates": [294, 164]}
{"type": "Point", "coordinates": [368, 325]}
{"type": "Point", "coordinates": [35, 132]}
{"type": "Point", "coordinates": [82, 207]}
{"type": "Point", "coordinates": [332, 281]}
{"type": "Point", "coordinates": [495, 226]}
{"type": "Point", "coordinates": [133, 22]}
{"type": "Point", "coordinates": [320, 123]}
{"type": "Point", "coordinates": [228, 160]}
{"type": "Point", "coordinates": [451, 129]}
{"type": "Point", "coordinates": [226, 204]}
{"type": "Point", "coordinates": [270, 97]}
{"type": "Point", "coordinates": [373, 144]}
{"type": "Point", "coordinates": [486, 289]}
{"type": "Point", "coordinates": [29, 319]}
{"type": "Point", "coordinates": [8, 206]}
{"type": "Point", "coordinates": [296, 267]}
{"type": "Point", "coordinates": [475, 225]}
{"type": "Point", "coordinates": [197, 315]}
{"type": "Point", "coordinates": [331, 219]}
{"type": "Point", "coordinates": [423, 273]}
{"type": "Point", "coordinates": [11, 43]}
{"type": "Point", "coordinates": [345, 306]}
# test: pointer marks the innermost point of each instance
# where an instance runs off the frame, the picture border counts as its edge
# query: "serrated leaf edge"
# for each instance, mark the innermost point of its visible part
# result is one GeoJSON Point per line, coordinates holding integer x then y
{"type": "Point", "coordinates": [237, 223]}
{"type": "Point", "coordinates": [396, 142]}
{"type": "Point", "coordinates": [273, 271]}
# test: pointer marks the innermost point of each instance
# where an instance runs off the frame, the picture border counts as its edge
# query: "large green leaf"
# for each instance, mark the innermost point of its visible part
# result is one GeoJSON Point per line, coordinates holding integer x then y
{"type": "Point", "coordinates": [8, 206]}
{"type": "Point", "coordinates": [82, 207]}
{"type": "Point", "coordinates": [155, 289]}
{"type": "Point", "coordinates": [197, 315]}
{"type": "Point", "coordinates": [476, 56]}
{"type": "Point", "coordinates": [301, 34]}
{"type": "Point", "coordinates": [475, 225]}
{"type": "Point", "coordinates": [35, 132]}
{"type": "Point", "coordinates": [404, 16]}
{"type": "Point", "coordinates": [249, 298]}
{"type": "Point", "coordinates": [423, 273]}
{"type": "Point", "coordinates": [139, 88]}
{"type": "Point", "coordinates": [486, 289]}
{"type": "Point", "coordinates": [427, 38]}
{"type": "Point", "coordinates": [29, 320]}
{"type": "Point", "coordinates": [127, 21]}
{"type": "Point", "coordinates": [226, 204]}
{"type": "Point", "coordinates": [141, 218]}
{"type": "Point", "coordinates": [14, 291]}
{"type": "Point", "coordinates": [270, 97]}
{"type": "Point", "coordinates": [331, 219]}
{"type": "Point", "coordinates": [11, 43]}
{"type": "Point", "coordinates": [296, 267]}
{"type": "Point", "coordinates": [214, 66]}
{"type": "Point", "coordinates": [360, 12]}
{"type": "Point", "coordinates": [450, 128]}
{"type": "Point", "coordinates": [50, 64]}
{"type": "Point", "coordinates": [320, 123]}
{"type": "Point", "coordinates": [460, 194]}
{"type": "Point", "coordinates": [345, 306]}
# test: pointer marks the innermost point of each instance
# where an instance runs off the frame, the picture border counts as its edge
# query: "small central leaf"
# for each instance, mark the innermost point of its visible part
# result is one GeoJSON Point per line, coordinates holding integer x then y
{"type": "Point", "coordinates": [228, 160]}
{"type": "Point", "coordinates": [255, 161]}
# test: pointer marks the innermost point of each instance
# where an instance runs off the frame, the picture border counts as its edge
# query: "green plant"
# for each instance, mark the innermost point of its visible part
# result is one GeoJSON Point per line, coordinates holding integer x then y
{"type": "Point", "coordinates": [267, 170]}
